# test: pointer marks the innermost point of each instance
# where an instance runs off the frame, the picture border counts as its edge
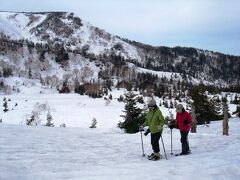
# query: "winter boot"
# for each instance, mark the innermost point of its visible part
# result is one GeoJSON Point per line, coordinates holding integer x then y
{"type": "Point", "coordinates": [156, 157]}
{"type": "Point", "coordinates": [150, 156]}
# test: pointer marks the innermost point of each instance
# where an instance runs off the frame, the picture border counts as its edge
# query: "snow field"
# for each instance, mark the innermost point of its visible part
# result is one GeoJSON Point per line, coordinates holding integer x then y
{"type": "Point", "coordinates": [82, 153]}
{"type": "Point", "coordinates": [78, 152]}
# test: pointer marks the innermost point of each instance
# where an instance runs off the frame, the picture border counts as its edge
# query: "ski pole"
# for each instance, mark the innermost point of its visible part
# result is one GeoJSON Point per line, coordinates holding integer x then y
{"type": "Point", "coordinates": [142, 145]}
{"type": "Point", "coordinates": [164, 148]}
{"type": "Point", "coordinates": [171, 143]}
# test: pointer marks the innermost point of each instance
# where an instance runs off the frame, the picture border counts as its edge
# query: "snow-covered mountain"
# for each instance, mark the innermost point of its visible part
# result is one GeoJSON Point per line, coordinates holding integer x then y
{"type": "Point", "coordinates": [62, 27]}
{"type": "Point", "coordinates": [58, 46]}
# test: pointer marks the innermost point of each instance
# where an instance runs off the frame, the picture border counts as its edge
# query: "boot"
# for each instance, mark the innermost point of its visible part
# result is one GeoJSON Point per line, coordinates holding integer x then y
{"type": "Point", "coordinates": [150, 156]}
{"type": "Point", "coordinates": [156, 156]}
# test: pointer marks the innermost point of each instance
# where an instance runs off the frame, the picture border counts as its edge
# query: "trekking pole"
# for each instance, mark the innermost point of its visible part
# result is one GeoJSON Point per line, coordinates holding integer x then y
{"type": "Point", "coordinates": [142, 145]}
{"type": "Point", "coordinates": [171, 143]}
{"type": "Point", "coordinates": [164, 148]}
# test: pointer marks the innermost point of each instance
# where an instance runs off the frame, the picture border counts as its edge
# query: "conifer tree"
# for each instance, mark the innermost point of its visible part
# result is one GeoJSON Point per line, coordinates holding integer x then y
{"type": "Point", "coordinates": [30, 121]}
{"type": "Point", "coordinates": [133, 115]}
{"type": "Point", "coordinates": [5, 105]}
{"type": "Point", "coordinates": [204, 108]}
{"type": "Point", "coordinates": [49, 120]}
{"type": "Point", "coordinates": [94, 123]}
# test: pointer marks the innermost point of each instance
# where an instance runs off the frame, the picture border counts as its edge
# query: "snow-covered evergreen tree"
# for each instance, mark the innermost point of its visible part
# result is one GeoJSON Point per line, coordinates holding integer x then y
{"type": "Point", "coordinates": [5, 105]}
{"type": "Point", "coordinates": [49, 120]}
{"type": "Point", "coordinates": [30, 121]}
{"type": "Point", "coordinates": [94, 123]}
{"type": "Point", "coordinates": [133, 115]}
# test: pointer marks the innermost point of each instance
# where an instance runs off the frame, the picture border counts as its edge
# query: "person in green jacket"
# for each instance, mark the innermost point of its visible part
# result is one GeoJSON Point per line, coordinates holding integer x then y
{"type": "Point", "coordinates": [154, 120]}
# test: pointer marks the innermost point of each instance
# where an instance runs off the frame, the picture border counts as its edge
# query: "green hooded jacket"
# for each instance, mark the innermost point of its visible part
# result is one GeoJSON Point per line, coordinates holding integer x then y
{"type": "Point", "coordinates": [155, 120]}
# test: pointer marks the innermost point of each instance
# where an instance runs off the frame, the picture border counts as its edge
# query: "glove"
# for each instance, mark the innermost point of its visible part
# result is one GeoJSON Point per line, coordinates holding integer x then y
{"type": "Point", "coordinates": [141, 128]}
{"type": "Point", "coordinates": [147, 132]}
{"type": "Point", "coordinates": [185, 122]}
{"type": "Point", "coordinates": [171, 126]}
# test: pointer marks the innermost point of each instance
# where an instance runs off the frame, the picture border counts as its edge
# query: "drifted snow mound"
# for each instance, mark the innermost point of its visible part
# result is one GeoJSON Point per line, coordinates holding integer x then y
{"type": "Point", "coordinates": [82, 153]}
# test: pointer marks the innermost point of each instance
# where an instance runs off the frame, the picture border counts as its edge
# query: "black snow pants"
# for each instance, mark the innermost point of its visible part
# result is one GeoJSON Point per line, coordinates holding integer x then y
{"type": "Point", "coordinates": [155, 141]}
{"type": "Point", "coordinates": [184, 141]}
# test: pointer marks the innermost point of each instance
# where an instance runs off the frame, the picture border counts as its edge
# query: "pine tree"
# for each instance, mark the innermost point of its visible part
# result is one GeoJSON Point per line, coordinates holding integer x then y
{"type": "Point", "coordinates": [204, 108]}
{"type": "Point", "coordinates": [30, 121]}
{"type": "Point", "coordinates": [49, 120]}
{"type": "Point", "coordinates": [133, 115]}
{"type": "Point", "coordinates": [94, 123]}
{"type": "Point", "coordinates": [5, 105]}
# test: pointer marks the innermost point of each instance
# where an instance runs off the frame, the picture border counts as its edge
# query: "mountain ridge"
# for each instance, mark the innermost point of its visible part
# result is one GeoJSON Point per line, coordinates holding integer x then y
{"type": "Point", "coordinates": [68, 36]}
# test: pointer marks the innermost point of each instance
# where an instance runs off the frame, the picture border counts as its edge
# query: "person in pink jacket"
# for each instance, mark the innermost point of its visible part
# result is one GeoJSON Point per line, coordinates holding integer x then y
{"type": "Point", "coordinates": [183, 123]}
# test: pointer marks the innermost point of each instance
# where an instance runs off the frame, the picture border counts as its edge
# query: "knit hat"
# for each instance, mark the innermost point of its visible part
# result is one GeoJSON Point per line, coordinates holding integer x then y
{"type": "Point", "coordinates": [179, 108]}
{"type": "Point", "coordinates": [152, 102]}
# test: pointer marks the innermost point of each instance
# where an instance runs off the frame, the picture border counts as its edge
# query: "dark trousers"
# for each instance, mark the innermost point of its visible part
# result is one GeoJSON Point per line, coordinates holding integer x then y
{"type": "Point", "coordinates": [184, 141]}
{"type": "Point", "coordinates": [155, 141]}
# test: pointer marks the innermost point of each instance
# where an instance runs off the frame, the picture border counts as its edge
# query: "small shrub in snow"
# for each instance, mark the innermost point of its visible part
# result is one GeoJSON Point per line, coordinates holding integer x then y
{"type": "Point", "coordinates": [62, 125]}
{"type": "Point", "coordinates": [34, 119]}
{"type": "Point", "coordinates": [94, 123]}
{"type": "Point", "coordinates": [120, 99]}
{"type": "Point", "coordinates": [30, 121]}
{"type": "Point", "coordinates": [5, 105]}
{"type": "Point", "coordinates": [49, 120]}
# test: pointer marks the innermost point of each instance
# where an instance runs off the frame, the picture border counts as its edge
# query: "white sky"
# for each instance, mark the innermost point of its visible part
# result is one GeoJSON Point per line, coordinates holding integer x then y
{"type": "Point", "coordinates": [205, 24]}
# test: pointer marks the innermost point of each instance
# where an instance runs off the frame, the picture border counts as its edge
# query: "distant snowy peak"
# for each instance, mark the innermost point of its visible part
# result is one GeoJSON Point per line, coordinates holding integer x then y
{"type": "Point", "coordinates": [64, 28]}
{"type": "Point", "coordinates": [77, 36]}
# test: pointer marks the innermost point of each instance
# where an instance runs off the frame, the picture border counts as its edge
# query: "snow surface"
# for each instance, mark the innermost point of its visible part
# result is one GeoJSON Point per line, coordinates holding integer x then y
{"type": "Point", "coordinates": [78, 152]}
{"type": "Point", "coordinates": [83, 153]}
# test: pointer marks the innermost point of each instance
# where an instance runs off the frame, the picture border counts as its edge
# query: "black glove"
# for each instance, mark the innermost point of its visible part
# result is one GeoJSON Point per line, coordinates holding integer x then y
{"type": "Point", "coordinates": [185, 122]}
{"type": "Point", "coordinates": [147, 132]}
{"type": "Point", "coordinates": [171, 126]}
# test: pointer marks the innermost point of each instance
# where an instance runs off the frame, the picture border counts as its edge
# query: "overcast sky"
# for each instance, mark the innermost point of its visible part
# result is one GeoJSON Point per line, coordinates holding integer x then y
{"type": "Point", "coordinates": [205, 24]}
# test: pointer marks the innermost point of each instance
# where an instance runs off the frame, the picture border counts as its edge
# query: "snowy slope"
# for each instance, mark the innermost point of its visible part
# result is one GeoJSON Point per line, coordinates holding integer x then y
{"type": "Point", "coordinates": [78, 152]}
{"type": "Point", "coordinates": [81, 40]}
{"type": "Point", "coordinates": [90, 154]}
{"type": "Point", "coordinates": [37, 26]}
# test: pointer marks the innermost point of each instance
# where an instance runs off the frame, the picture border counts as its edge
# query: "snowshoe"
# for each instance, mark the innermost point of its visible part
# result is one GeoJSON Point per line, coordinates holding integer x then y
{"type": "Point", "coordinates": [150, 156]}
{"type": "Point", "coordinates": [154, 157]}
{"type": "Point", "coordinates": [183, 154]}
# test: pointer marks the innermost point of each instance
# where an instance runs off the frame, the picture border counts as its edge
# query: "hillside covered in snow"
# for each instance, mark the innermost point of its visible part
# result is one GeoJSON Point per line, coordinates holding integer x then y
{"type": "Point", "coordinates": [57, 47]}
